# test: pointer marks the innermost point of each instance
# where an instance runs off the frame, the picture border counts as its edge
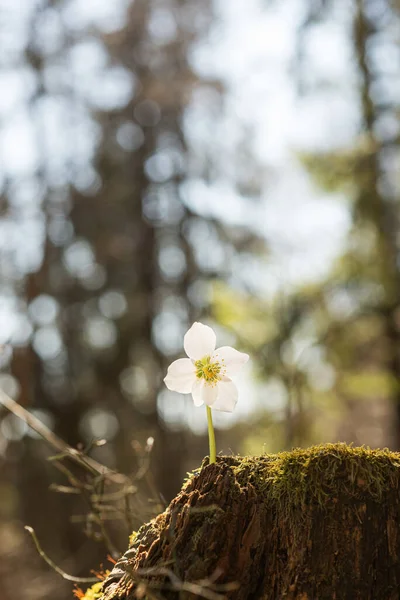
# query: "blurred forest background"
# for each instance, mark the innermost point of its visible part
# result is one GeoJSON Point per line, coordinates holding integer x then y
{"type": "Point", "coordinates": [166, 161]}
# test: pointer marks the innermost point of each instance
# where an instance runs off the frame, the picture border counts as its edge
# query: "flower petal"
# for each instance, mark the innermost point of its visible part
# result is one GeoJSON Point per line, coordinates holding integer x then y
{"type": "Point", "coordinates": [204, 393]}
{"type": "Point", "coordinates": [197, 392]}
{"type": "Point", "coordinates": [227, 396]}
{"type": "Point", "coordinates": [209, 393]}
{"type": "Point", "coordinates": [231, 360]}
{"type": "Point", "coordinates": [180, 376]}
{"type": "Point", "coordinates": [199, 341]}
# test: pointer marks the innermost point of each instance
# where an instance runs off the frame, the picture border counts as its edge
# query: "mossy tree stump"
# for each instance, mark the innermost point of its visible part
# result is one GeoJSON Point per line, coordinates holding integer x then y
{"type": "Point", "coordinates": [315, 524]}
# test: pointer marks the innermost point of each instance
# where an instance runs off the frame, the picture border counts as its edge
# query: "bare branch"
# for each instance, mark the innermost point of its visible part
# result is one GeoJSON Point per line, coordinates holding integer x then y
{"type": "Point", "coordinates": [54, 566]}
{"type": "Point", "coordinates": [56, 442]}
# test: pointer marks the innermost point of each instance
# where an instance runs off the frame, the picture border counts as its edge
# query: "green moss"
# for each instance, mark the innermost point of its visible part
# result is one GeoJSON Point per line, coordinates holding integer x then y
{"type": "Point", "coordinates": [190, 475]}
{"type": "Point", "coordinates": [132, 538]}
{"type": "Point", "coordinates": [320, 475]}
{"type": "Point", "coordinates": [93, 593]}
{"type": "Point", "coordinates": [290, 482]}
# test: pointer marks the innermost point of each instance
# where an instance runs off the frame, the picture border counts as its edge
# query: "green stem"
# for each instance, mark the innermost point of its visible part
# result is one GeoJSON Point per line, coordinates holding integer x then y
{"type": "Point", "coordinates": [211, 436]}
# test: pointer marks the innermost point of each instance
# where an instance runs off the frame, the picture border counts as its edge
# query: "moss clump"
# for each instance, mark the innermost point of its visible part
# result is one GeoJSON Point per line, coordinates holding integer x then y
{"type": "Point", "coordinates": [92, 593]}
{"type": "Point", "coordinates": [320, 475]}
{"type": "Point", "coordinates": [132, 538]}
{"type": "Point", "coordinates": [95, 591]}
{"type": "Point", "coordinates": [191, 474]}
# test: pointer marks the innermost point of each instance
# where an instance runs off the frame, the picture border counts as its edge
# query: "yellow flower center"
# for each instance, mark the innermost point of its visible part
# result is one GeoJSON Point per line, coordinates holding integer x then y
{"type": "Point", "coordinates": [207, 370]}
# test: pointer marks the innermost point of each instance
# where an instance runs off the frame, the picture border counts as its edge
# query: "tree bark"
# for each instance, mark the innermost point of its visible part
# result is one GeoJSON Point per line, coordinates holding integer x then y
{"type": "Point", "coordinates": [308, 524]}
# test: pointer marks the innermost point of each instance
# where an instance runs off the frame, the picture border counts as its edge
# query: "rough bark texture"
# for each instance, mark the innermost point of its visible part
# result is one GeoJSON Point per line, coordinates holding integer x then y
{"type": "Point", "coordinates": [308, 524]}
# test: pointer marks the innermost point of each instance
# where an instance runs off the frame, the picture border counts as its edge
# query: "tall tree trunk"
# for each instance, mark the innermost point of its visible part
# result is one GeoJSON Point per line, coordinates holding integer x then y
{"type": "Point", "coordinates": [373, 204]}
{"type": "Point", "coordinates": [317, 523]}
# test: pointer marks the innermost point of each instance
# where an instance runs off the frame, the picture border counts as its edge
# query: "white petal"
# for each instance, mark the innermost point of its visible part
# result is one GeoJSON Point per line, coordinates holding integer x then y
{"type": "Point", "coordinates": [180, 376]}
{"type": "Point", "coordinates": [209, 393]}
{"type": "Point", "coordinates": [199, 341]}
{"type": "Point", "coordinates": [231, 360]}
{"type": "Point", "coordinates": [197, 392]}
{"type": "Point", "coordinates": [227, 396]}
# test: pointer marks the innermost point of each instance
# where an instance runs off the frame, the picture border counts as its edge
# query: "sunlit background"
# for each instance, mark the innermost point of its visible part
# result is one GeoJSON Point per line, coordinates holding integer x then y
{"type": "Point", "coordinates": [165, 161]}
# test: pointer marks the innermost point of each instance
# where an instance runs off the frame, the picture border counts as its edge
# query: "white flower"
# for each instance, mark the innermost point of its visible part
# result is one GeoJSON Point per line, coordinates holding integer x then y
{"type": "Point", "coordinates": [207, 373]}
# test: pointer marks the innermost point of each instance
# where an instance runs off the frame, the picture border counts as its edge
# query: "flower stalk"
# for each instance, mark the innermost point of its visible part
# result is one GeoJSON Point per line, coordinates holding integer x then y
{"type": "Point", "coordinates": [211, 436]}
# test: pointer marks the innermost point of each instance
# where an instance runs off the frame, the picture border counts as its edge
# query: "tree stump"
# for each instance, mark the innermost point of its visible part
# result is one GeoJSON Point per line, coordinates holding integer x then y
{"type": "Point", "coordinates": [314, 524]}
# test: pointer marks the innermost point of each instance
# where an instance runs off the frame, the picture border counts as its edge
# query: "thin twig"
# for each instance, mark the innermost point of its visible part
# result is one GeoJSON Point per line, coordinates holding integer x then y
{"type": "Point", "coordinates": [56, 442]}
{"type": "Point", "coordinates": [63, 489]}
{"type": "Point", "coordinates": [54, 566]}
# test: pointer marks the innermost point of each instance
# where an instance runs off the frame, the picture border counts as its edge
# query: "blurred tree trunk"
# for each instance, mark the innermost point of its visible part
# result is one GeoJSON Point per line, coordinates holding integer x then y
{"type": "Point", "coordinates": [108, 220]}
{"type": "Point", "coordinates": [374, 203]}
{"type": "Point", "coordinates": [306, 524]}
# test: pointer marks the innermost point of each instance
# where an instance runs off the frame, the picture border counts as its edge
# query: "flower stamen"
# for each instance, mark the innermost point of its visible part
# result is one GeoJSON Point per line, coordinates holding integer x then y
{"type": "Point", "coordinates": [207, 370]}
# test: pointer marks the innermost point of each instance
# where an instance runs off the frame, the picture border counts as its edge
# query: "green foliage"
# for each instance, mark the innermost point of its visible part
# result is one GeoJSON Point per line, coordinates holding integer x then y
{"type": "Point", "coordinates": [368, 385]}
{"type": "Point", "coordinates": [340, 170]}
{"type": "Point", "coordinates": [245, 315]}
